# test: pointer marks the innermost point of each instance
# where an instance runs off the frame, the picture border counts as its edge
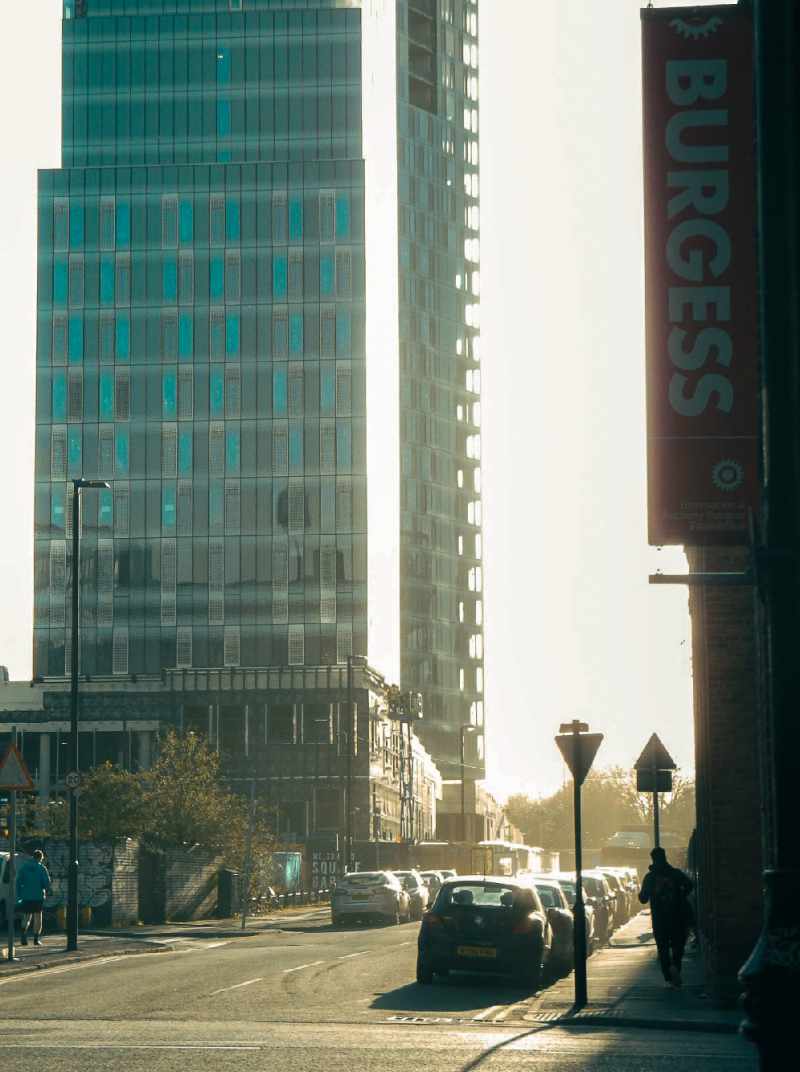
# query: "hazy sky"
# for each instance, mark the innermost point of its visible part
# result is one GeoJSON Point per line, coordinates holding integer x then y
{"type": "Point", "coordinates": [572, 626]}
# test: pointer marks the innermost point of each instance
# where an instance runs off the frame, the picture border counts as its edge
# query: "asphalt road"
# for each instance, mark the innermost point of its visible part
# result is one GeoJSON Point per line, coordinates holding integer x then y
{"type": "Point", "coordinates": [310, 997]}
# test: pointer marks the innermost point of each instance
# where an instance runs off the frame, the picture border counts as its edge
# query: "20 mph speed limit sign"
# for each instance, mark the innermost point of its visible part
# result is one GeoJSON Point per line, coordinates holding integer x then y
{"type": "Point", "coordinates": [73, 780]}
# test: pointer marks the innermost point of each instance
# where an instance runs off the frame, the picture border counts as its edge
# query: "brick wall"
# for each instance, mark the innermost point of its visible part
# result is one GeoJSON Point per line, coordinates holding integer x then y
{"type": "Point", "coordinates": [727, 759]}
{"type": "Point", "coordinates": [125, 882]}
{"type": "Point", "coordinates": [178, 883]}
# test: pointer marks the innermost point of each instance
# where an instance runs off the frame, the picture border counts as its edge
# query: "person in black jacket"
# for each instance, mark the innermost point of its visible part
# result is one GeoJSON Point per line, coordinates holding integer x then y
{"type": "Point", "coordinates": [666, 888]}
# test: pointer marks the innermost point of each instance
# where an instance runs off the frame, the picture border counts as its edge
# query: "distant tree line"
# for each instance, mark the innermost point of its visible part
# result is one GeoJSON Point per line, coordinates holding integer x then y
{"type": "Point", "coordinates": [610, 803]}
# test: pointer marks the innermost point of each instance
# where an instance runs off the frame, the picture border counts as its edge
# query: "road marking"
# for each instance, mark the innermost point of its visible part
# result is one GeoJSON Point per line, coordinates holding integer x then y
{"type": "Point", "coordinates": [236, 986]}
{"type": "Point", "coordinates": [349, 955]}
{"type": "Point", "coordinates": [487, 1014]}
{"type": "Point", "coordinates": [45, 973]}
{"type": "Point", "coordinates": [215, 945]}
{"type": "Point", "coordinates": [404, 943]}
{"type": "Point", "coordinates": [301, 966]}
{"type": "Point", "coordinates": [512, 1010]}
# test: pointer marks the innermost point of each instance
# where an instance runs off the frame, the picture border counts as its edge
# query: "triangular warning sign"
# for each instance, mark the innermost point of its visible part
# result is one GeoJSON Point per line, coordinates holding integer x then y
{"type": "Point", "coordinates": [13, 772]}
{"type": "Point", "coordinates": [579, 750]}
{"type": "Point", "coordinates": [655, 757]}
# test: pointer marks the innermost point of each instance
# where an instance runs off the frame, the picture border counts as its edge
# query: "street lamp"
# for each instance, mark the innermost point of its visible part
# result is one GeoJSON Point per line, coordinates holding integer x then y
{"type": "Point", "coordinates": [72, 875]}
{"type": "Point", "coordinates": [351, 729]}
{"type": "Point", "coordinates": [468, 728]}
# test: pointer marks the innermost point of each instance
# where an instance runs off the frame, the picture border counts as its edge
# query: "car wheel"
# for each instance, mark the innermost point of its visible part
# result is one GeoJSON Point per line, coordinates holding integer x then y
{"type": "Point", "coordinates": [416, 914]}
{"type": "Point", "coordinates": [442, 972]}
{"type": "Point", "coordinates": [424, 972]}
{"type": "Point", "coordinates": [336, 921]}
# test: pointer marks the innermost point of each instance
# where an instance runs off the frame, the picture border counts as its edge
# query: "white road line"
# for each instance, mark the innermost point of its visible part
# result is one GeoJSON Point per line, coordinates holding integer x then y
{"type": "Point", "coordinates": [45, 973]}
{"type": "Point", "coordinates": [349, 955]}
{"type": "Point", "coordinates": [487, 1014]}
{"type": "Point", "coordinates": [509, 1012]}
{"type": "Point", "coordinates": [405, 943]}
{"type": "Point", "coordinates": [236, 986]}
{"type": "Point", "coordinates": [301, 966]}
{"type": "Point", "coordinates": [215, 945]}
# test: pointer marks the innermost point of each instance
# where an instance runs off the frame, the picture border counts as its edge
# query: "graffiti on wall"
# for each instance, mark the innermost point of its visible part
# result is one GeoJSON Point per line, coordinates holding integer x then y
{"type": "Point", "coordinates": [94, 873]}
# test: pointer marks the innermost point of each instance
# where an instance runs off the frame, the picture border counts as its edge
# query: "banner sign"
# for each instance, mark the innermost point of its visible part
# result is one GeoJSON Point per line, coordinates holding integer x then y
{"type": "Point", "coordinates": [700, 275]}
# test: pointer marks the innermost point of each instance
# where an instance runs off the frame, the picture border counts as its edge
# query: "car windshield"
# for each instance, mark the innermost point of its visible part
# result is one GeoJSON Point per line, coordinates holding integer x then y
{"type": "Point", "coordinates": [593, 886]}
{"type": "Point", "coordinates": [548, 896]}
{"type": "Point", "coordinates": [409, 881]}
{"type": "Point", "coordinates": [473, 893]}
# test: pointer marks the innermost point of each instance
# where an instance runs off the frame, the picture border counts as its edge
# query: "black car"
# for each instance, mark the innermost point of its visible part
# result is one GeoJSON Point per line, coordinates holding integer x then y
{"type": "Point", "coordinates": [486, 924]}
{"type": "Point", "coordinates": [561, 921]}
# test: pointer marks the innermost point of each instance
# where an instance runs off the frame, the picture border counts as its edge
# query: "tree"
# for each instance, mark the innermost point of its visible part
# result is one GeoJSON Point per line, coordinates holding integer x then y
{"type": "Point", "coordinates": [111, 804]}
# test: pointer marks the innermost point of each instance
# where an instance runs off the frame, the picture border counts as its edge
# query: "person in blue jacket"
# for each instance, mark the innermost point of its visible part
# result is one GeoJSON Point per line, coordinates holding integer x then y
{"type": "Point", "coordinates": [33, 881]}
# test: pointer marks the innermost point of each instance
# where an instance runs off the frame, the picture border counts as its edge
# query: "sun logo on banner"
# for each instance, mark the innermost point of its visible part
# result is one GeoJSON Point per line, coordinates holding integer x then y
{"type": "Point", "coordinates": [704, 30]}
{"type": "Point", "coordinates": [727, 475]}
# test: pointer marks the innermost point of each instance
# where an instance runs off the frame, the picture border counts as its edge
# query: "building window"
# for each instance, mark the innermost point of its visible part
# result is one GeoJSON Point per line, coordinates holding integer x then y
{"type": "Point", "coordinates": [184, 648]}
{"type": "Point", "coordinates": [76, 281]}
{"type": "Point", "coordinates": [186, 278]}
{"type": "Point", "coordinates": [58, 453]}
{"type": "Point", "coordinates": [169, 222]}
{"type": "Point", "coordinates": [123, 280]}
{"type": "Point", "coordinates": [217, 220]}
{"type": "Point", "coordinates": [108, 214]}
{"type": "Point", "coordinates": [184, 509]}
{"type": "Point", "coordinates": [344, 506]}
{"type": "Point", "coordinates": [317, 723]}
{"type": "Point", "coordinates": [216, 450]}
{"type": "Point", "coordinates": [216, 582]}
{"type": "Point", "coordinates": [58, 582]}
{"type": "Point", "coordinates": [280, 723]}
{"type": "Point", "coordinates": [295, 391]}
{"type": "Point", "coordinates": [295, 275]}
{"type": "Point", "coordinates": [59, 339]}
{"type": "Point", "coordinates": [105, 582]}
{"type": "Point", "coordinates": [280, 584]}
{"type": "Point", "coordinates": [185, 394]}
{"type": "Point", "coordinates": [75, 396]}
{"type": "Point", "coordinates": [232, 392]}
{"type": "Point", "coordinates": [327, 446]}
{"type": "Point", "coordinates": [231, 646]}
{"type": "Point", "coordinates": [105, 452]}
{"type": "Point", "coordinates": [344, 285]}
{"type": "Point", "coordinates": [217, 334]}
{"type": "Point", "coordinates": [296, 645]}
{"type": "Point", "coordinates": [343, 390]}
{"type": "Point", "coordinates": [106, 345]}
{"type": "Point", "coordinates": [296, 507]}
{"type": "Point", "coordinates": [169, 336]}
{"type": "Point", "coordinates": [121, 510]}
{"type": "Point", "coordinates": [280, 334]}
{"type": "Point", "coordinates": [280, 448]}
{"type": "Point", "coordinates": [169, 570]}
{"type": "Point", "coordinates": [169, 450]}
{"type": "Point", "coordinates": [60, 224]}
{"type": "Point", "coordinates": [326, 217]}
{"type": "Point", "coordinates": [279, 222]}
{"type": "Point", "coordinates": [120, 652]}
{"type": "Point", "coordinates": [327, 332]}
{"type": "Point", "coordinates": [122, 394]}
{"type": "Point", "coordinates": [344, 642]}
{"type": "Point", "coordinates": [233, 498]}
{"type": "Point", "coordinates": [233, 273]}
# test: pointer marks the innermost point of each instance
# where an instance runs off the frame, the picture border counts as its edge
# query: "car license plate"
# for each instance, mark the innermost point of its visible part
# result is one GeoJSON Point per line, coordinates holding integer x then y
{"type": "Point", "coordinates": [359, 897]}
{"type": "Point", "coordinates": [476, 951]}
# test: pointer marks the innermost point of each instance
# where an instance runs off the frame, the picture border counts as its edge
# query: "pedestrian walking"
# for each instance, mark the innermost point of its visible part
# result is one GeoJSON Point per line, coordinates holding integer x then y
{"type": "Point", "coordinates": [666, 888]}
{"type": "Point", "coordinates": [33, 881]}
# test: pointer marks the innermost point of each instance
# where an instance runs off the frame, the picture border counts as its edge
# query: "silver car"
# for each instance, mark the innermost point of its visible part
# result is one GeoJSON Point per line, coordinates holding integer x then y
{"type": "Point", "coordinates": [370, 895]}
{"type": "Point", "coordinates": [414, 885]}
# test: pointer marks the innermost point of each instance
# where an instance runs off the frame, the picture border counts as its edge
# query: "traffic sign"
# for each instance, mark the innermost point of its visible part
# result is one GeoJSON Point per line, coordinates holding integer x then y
{"type": "Point", "coordinates": [13, 772]}
{"type": "Point", "coordinates": [579, 750]}
{"type": "Point", "coordinates": [655, 757]}
{"type": "Point", "coordinates": [653, 781]}
{"type": "Point", "coordinates": [73, 780]}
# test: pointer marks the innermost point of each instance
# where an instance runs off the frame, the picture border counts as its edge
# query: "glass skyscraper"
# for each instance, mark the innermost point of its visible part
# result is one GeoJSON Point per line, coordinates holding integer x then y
{"type": "Point", "coordinates": [259, 321]}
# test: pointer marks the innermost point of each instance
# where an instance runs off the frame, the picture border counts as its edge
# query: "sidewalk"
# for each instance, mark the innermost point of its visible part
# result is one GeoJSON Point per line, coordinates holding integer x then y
{"type": "Point", "coordinates": [625, 989]}
{"type": "Point", "coordinates": [96, 942]}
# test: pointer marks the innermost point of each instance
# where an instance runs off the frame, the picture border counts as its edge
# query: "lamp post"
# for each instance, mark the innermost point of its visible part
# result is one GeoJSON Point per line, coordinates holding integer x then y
{"type": "Point", "coordinates": [72, 875]}
{"type": "Point", "coordinates": [351, 729]}
{"type": "Point", "coordinates": [468, 728]}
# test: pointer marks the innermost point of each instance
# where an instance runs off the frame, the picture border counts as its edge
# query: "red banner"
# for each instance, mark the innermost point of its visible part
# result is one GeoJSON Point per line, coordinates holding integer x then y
{"type": "Point", "coordinates": [700, 275]}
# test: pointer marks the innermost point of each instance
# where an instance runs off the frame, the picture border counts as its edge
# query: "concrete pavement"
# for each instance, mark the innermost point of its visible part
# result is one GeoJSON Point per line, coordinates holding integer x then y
{"type": "Point", "coordinates": [625, 988]}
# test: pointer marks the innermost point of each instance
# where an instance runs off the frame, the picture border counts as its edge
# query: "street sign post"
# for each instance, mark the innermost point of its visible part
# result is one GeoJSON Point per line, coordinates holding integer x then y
{"type": "Point", "coordinates": [578, 747]}
{"type": "Point", "coordinates": [14, 778]}
{"type": "Point", "coordinates": [654, 769]}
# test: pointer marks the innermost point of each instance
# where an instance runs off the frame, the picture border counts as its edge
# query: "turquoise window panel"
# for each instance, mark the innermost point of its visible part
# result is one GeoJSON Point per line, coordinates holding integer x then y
{"type": "Point", "coordinates": [280, 272]}
{"type": "Point", "coordinates": [344, 446]}
{"type": "Point", "coordinates": [123, 337]}
{"type": "Point", "coordinates": [74, 453]}
{"type": "Point", "coordinates": [232, 451]}
{"type": "Point", "coordinates": [169, 393]}
{"type": "Point", "coordinates": [107, 282]}
{"type": "Point", "coordinates": [279, 393]}
{"type": "Point", "coordinates": [233, 221]}
{"type": "Point", "coordinates": [344, 340]}
{"type": "Point", "coordinates": [60, 283]}
{"type": "Point", "coordinates": [122, 453]}
{"type": "Point", "coordinates": [104, 504]}
{"type": "Point", "coordinates": [296, 334]}
{"type": "Point", "coordinates": [58, 503]}
{"type": "Point", "coordinates": [123, 235]}
{"type": "Point", "coordinates": [168, 509]}
{"type": "Point", "coordinates": [185, 336]}
{"type": "Point", "coordinates": [76, 223]}
{"type": "Point", "coordinates": [343, 216]}
{"type": "Point", "coordinates": [217, 393]}
{"type": "Point", "coordinates": [223, 156]}
{"type": "Point", "coordinates": [295, 218]}
{"type": "Point", "coordinates": [223, 66]}
{"type": "Point", "coordinates": [327, 390]}
{"type": "Point", "coordinates": [59, 396]}
{"type": "Point", "coordinates": [185, 220]}
{"type": "Point", "coordinates": [185, 451]}
{"type": "Point", "coordinates": [232, 333]}
{"type": "Point", "coordinates": [169, 275]}
{"type": "Point", "coordinates": [106, 401]}
{"type": "Point", "coordinates": [75, 340]}
{"type": "Point", "coordinates": [326, 275]}
{"type": "Point", "coordinates": [216, 278]}
{"type": "Point", "coordinates": [223, 118]}
{"type": "Point", "coordinates": [216, 505]}
{"type": "Point", "coordinates": [296, 449]}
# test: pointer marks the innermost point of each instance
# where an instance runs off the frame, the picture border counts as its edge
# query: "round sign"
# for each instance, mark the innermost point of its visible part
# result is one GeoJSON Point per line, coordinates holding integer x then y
{"type": "Point", "coordinates": [73, 779]}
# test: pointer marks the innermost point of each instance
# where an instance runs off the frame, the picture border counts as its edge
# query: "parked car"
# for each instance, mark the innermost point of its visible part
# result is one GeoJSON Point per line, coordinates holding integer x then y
{"type": "Point", "coordinates": [598, 895]}
{"type": "Point", "coordinates": [369, 895]}
{"type": "Point", "coordinates": [433, 880]}
{"type": "Point", "coordinates": [448, 872]}
{"type": "Point", "coordinates": [8, 897]}
{"type": "Point", "coordinates": [414, 885]}
{"type": "Point", "coordinates": [485, 924]}
{"type": "Point", "coordinates": [567, 883]}
{"type": "Point", "coordinates": [559, 915]}
{"type": "Point", "coordinates": [620, 891]}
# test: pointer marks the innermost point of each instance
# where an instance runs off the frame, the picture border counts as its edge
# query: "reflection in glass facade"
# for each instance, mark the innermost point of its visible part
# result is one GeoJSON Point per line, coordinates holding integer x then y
{"type": "Point", "coordinates": [203, 343]}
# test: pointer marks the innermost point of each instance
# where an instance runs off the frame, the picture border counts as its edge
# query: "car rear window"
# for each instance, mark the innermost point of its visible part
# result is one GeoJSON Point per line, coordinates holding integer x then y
{"type": "Point", "coordinates": [473, 893]}
{"type": "Point", "coordinates": [365, 878]}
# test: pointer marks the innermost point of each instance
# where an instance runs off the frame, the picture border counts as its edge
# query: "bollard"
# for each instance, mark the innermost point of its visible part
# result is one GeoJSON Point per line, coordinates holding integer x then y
{"type": "Point", "coordinates": [86, 917]}
{"type": "Point", "coordinates": [61, 918]}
